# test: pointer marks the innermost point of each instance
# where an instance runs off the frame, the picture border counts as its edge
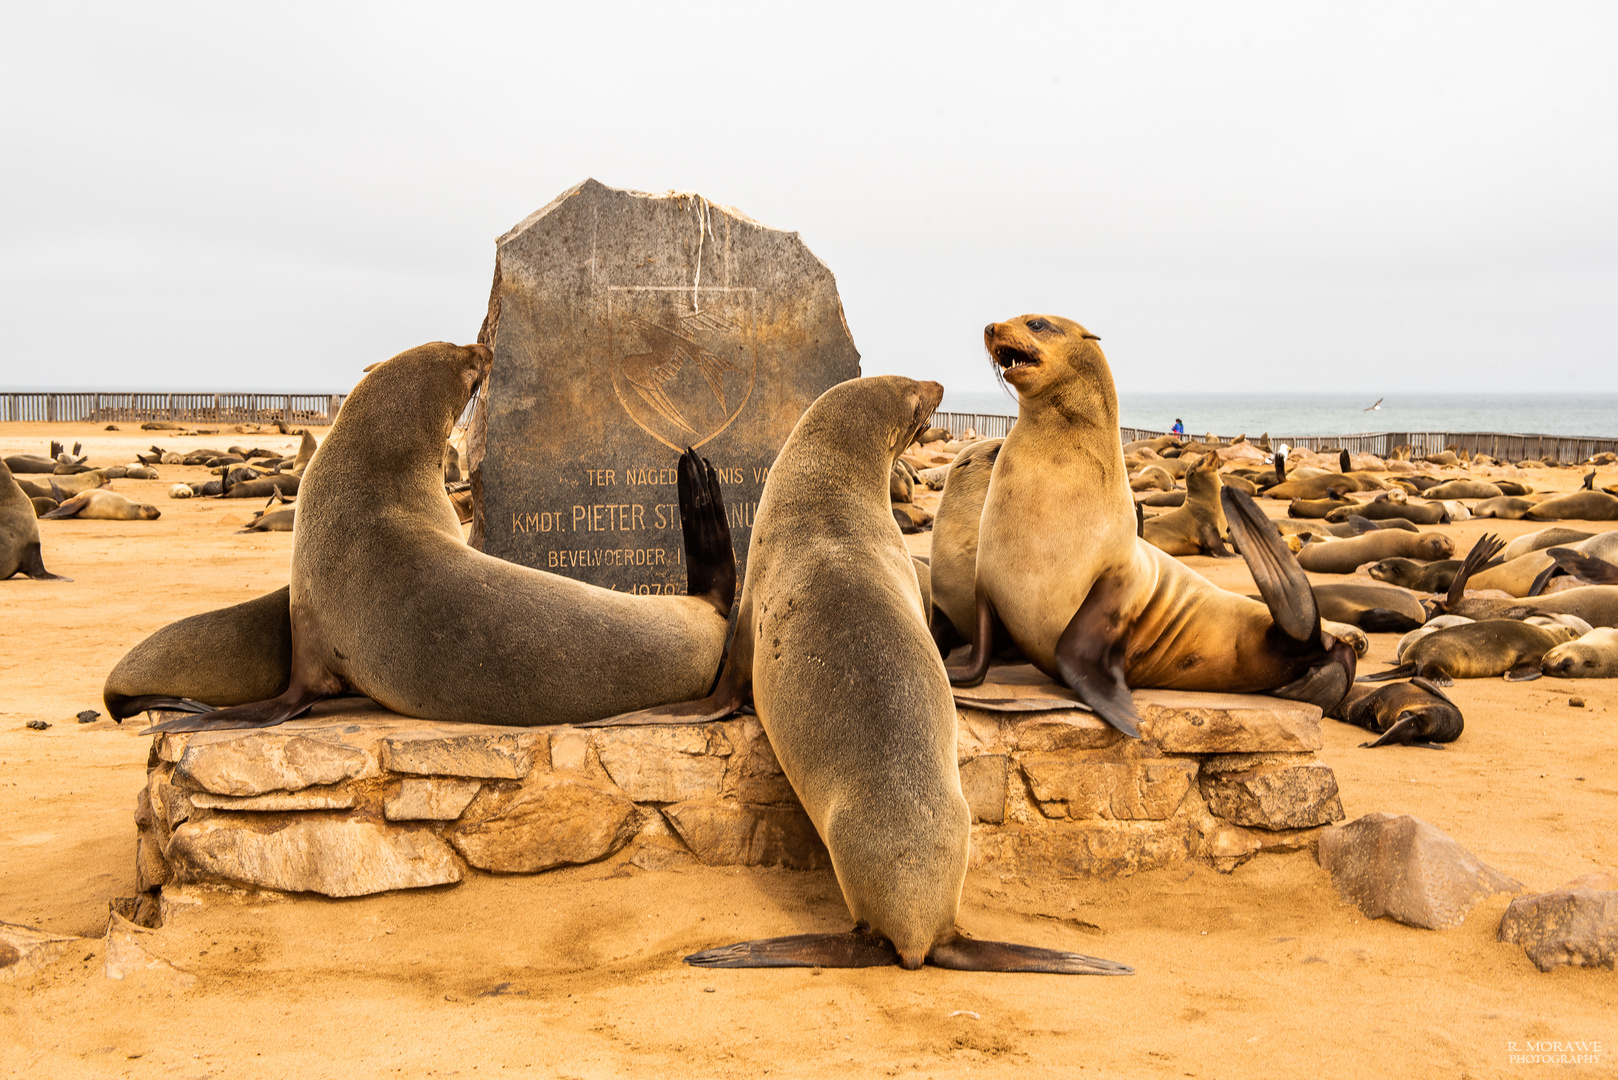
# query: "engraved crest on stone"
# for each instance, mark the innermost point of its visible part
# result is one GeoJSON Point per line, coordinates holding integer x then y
{"type": "Point", "coordinates": [683, 361]}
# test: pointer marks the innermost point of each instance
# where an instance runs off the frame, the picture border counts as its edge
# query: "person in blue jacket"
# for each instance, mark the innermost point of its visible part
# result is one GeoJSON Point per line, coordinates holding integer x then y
{"type": "Point", "coordinates": [1179, 426]}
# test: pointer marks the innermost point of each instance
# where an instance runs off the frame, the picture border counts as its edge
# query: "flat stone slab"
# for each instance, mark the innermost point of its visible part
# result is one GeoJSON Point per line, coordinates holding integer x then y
{"type": "Point", "coordinates": [1402, 867]}
{"type": "Point", "coordinates": [364, 801]}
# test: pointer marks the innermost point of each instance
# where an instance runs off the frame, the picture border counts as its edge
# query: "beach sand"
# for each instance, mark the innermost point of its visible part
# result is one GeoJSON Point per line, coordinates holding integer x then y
{"type": "Point", "coordinates": [577, 972]}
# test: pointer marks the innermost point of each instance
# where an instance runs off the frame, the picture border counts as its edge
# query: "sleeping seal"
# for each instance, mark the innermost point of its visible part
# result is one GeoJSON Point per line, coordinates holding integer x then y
{"type": "Point", "coordinates": [1414, 713]}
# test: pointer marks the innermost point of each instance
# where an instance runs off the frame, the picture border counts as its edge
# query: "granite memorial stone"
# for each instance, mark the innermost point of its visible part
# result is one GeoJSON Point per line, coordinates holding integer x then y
{"type": "Point", "coordinates": [626, 327]}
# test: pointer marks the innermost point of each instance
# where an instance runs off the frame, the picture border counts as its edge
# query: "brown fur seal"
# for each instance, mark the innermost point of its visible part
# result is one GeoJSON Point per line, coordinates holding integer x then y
{"type": "Point", "coordinates": [1478, 650]}
{"type": "Point", "coordinates": [1418, 513]}
{"type": "Point", "coordinates": [19, 533]}
{"type": "Point", "coordinates": [1579, 506]}
{"type": "Point", "coordinates": [1319, 508]}
{"type": "Point", "coordinates": [1152, 478]}
{"type": "Point", "coordinates": [1414, 713]}
{"type": "Point", "coordinates": [955, 542]}
{"type": "Point", "coordinates": [1061, 569]}
{"type": "Point", "coordinates": [1316, 487]}
{"type": "Point", "coordinates": [1346, 556]}
{"type": "Point", "coordinates": [1506, 508]}
{"type": "Point", "coordinates": [63, 485]}
{"type": "Point", "coordinates": [30, 464]}
{"type": "Point", "coordinates": [1198, 527]}
{"type": "Point", "coordinates": [264, 487]}
{"type": "Point", "coordinates": [1593, 656]}
{"type": "Point", "coordinates": [382, 578]}
{"type": "Point", "coordinates": [1370, 607]}
{"type": "Point", "coordinates": [1465, 489]}
{"type": "Point", "coordinates": [1431, 577]}
{"type": "Point", "coordinates": [282, 520]}
{"type": "Point", "coordinates": [832, 645]}
{"type": "Point", "coordinates": [1548, 537]}
{"type": "Point", "coordinates": [99, 505]}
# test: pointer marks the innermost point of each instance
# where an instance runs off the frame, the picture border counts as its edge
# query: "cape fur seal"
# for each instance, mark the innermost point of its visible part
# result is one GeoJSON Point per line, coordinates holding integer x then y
{"type": "Point", "coordinates": [1370, 607]}
{"type": "Point", "coordinates": [1579, 506]}
{"type": "Point", "coordinates": [19, 533]}
{"type": "Point", "coordinates": [99, 505]}
{"type": "Point", "coordinates": [1197, 527]}
{"type": "Point", "coordinates": [1414, 713]}
{"type": "Point", "coordinates": [1478, 650]}
{"type": "Point", "coordinates": [955, 542]}
{"type": "Point", "coordinates": [382, 578]}
{"type": "Point", "coordinates": [832, 646]}
{"type": "Point", "coordinates": [1592, 656]}
{"type": "Point", "coordinates": [1089, 603]}
{"type": "Point", "coordinates": [1346, 556]}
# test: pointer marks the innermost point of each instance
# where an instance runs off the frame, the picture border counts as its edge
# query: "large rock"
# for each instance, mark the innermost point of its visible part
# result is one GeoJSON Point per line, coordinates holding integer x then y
{"type": "Point", "coordinates": [1404, 868]}
{"type": "Point", "coordinates": [555, 821]}
{"type": "Point", "coordinates": [665, 764]}
{"type": "Point", "coordinates": [1145, 790]}
{"type": "Point", "coordinates": [1186, 722]}
{"type": "Point", "coordinates": [129, 954]}
{"type": "Point", "coordinates": [336, 855]}
{"type": "Point", "coordinates": [1275, 797]}
{"type": "Point", "coordinates": [625, 328]}
{"type": "Point", "coordinates": [737, 834]}
{"type": "Point", "coordinates": [1571, 926]}
{"type": "Point", "coordinates": [983, 782]}
{"type": "Point", "coordinates": [429, 799]}
{"type": "Point", "coordinates": [1101, 849]}
{"type": "Point", "coordinates": [261, 762]}
{"type": "Point", "coordinates": [25, 951]}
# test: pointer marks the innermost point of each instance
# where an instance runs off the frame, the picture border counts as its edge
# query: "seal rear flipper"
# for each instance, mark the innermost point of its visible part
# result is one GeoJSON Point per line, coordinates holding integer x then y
{"type": "Point", "coordinates": [33, 565]}
{"type": "Point", "coordinates": [1326, 683]}
{"type": "Point", "coordinates": [1379, 620]}
{"type": "Point", "coordinates": [255, 714]}
{"type": "Point", "coordinates": [1537, 586]}
{"type": "Point", "coordinates": [122, 708]}
{"type": "Point", "coordinates": [851, 950]}
{"type": "Point", "coordinates": [1399, 672]}
{"type": "Point", "coordinates": [945, 636]}
{"type": "Point", "coordinates": [983, 635]}
{"type": "Point", "coordinates": [1280, 580]}
{"type": "Point", "coordinates": [1523, 673]}
{"type": "Point", "coordinates": [1090, 656]}
{"type": "Point", "coordinates": [1487, 547]}
{"type": "Point", "coordinates": [710, 558]}
{"type": "Point", "coordinates": [968, 954]}
{"type": "Point", "coordinates": [1585, 567]}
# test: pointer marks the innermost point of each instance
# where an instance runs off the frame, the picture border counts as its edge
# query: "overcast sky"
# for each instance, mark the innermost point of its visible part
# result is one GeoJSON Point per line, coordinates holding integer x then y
{"type": "Point", "coordinates": [1292, 196]}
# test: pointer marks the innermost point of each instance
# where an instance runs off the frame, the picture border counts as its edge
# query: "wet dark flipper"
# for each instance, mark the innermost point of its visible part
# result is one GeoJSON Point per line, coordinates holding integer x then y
{"type": "Point", "coordinates": [1326, 683]}
{"type": "Point", "coordinates": [255, 714]}
{"type": "Point", "coordinates": [1543, 578]}
{"type": "Point", "coordinates": [1487, 547]}
{"type": "Point", "coordinates": [1400, 672]}
{"type": "Point", "coordinates": [709, 557]}
{"type": "Point", "coordinates": [1090, 656]}
{"type": "Point", "coordinates": [1524, 673]}
{"type": "Point", "coordinates": [1385, 620]}
{"type": "Point", "coordinates": [122, 708]}
{"type": "Point", "coordinates": [983, 633]}
{"type": "Point", "coordinates": [945, 636]}
{"type": "Point", "coordinates": [969, 954]}
{"type": "Point", "coordinates": [850, 950]}
{"type": "Point", "coordinates": [1280, 580]}
{"type": "Point", "coordinates": [1400, 731]}
{"type": "Point", "coordinates": [1585, 567]}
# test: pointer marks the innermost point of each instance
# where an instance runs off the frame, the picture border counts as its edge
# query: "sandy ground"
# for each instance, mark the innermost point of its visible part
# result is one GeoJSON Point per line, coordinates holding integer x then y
{"type": "Point", "coordinates": [576, 973]}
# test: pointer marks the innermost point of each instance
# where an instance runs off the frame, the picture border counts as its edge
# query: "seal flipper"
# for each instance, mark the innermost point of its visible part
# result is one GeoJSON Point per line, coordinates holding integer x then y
{"type": "Point", "coordinates": [968, 954]}
{"type": "Point", "coordinates": [1487, 547]}
{"type": "Point", "coordinates": [851, 950]}
{"type": "Point", "coordinates": [1280, 580]}
{"type": "Point", "coordinates": [1090, 656]}
{"type": "Point", "coordinates": [255, 714]}
{"type": "Point", "coordinates": [33, 565]}
{"type": "Point", "coordinates": [977, 664]}
{"type": "Point", "coordinates": [710, 558]}
{"type": "Point", "coordinates": [1585, 567]}
{"type": "Point", "coordinates": [1389, 675]}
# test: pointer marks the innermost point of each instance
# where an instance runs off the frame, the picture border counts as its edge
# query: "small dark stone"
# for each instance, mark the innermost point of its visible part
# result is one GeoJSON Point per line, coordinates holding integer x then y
{"type": "Point", "coordinates": [37, 725]}
{"type": "Point", "coordinates": [89, 716]}
{"type": "Point", "coordinates": [1576, 702]}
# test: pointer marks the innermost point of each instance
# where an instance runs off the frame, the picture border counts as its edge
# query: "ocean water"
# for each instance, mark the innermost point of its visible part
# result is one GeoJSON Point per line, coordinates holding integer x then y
{"type": "Point", "coordinates": [1295, 414]}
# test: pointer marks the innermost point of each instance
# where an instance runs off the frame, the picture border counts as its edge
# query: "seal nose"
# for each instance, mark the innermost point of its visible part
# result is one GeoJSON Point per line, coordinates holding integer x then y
{"type": "Point", "coordinates": [988, 331]}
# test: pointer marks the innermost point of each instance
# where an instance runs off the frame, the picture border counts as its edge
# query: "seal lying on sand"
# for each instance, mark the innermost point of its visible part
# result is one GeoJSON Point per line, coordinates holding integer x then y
{"type": "Point", "coordinates": [1061, 569]}
{"type": "Point", "coordinates": [833, 648]}
{"type": "Point", "coordinates": [1414, 713]}
{"type": "Point", "coordinates": [388, 601]}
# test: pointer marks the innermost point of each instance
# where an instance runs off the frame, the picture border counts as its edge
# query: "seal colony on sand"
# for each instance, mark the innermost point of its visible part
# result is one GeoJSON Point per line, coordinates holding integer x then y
{"type": "Point", "coordinates": [832, 646]}
{"type": "Point", "coordinates": [387, 599]}
{"type": "Point", "coordinates": [1061, 569]}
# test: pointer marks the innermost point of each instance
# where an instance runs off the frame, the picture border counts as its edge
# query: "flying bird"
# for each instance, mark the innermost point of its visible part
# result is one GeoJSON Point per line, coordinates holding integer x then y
{"type": "Point", "coordinates": [650, 372]}
{"type": "Point", "coordinates": [1373, 408]}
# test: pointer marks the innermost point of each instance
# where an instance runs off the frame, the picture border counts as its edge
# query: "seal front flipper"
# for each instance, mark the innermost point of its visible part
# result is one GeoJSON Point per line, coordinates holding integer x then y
{"type": "Point", "coordinates": [1090, 656]}
{"type": "Point", "coordinates": [33, 565]}
{"type": "Point", "coordinates": [851, 950]}
{"type": "Point", "coordinates": [1584, 567]}
{"type": "Point", "coordinates": [1280, 580]}
{"type": "Point", "coordinates": [968, 954]}
{"type": "Point", "coordinates": [709, 557]}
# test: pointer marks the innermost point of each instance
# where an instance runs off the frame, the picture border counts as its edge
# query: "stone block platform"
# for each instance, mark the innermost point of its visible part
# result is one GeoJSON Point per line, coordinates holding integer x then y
{"type": "Point", "coordinates": [357, 802]}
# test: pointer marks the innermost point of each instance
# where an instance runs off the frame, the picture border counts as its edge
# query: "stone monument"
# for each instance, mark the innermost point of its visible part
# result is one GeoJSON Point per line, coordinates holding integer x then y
{"type": "Point", "coordinates": [626, 327]}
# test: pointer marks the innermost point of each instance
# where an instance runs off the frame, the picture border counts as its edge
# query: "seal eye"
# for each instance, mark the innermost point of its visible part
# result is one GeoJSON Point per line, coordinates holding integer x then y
{"type": "Point", "coordinates": [1038, 326]}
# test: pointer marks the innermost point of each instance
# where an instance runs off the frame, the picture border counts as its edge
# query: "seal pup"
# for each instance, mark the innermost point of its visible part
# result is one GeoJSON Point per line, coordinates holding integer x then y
{"type": "Point", "coordinates": [1592, 656]}
{"type": "Point", "coordinates": [1414, 713]}
{"type": "Point", "coordinates": [19, 533]}
{"type": "Point", "coordinates": [1087, 601]}
{"type": "Point", "coordinates": [382, 580]}
{"type": "Point", "coordinates": [832, 646]}
{"type": "Point", "coordinates": [1478, 650]}
{"type": "Point", "coordinates": [100, 505]}
{"type": "Point", "coordinates": [1197, 527]}
{"type": "Point", "coordinates": [1370, 607]}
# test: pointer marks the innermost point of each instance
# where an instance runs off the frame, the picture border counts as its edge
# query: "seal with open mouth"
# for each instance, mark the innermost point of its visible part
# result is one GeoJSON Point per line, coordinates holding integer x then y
{"type": "Point", "coordinates": [1061, 569]}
